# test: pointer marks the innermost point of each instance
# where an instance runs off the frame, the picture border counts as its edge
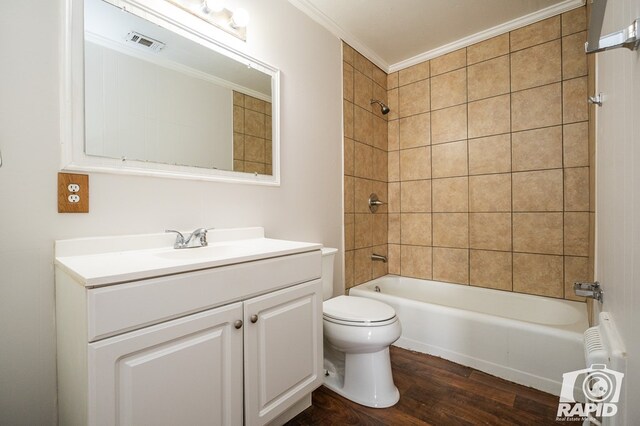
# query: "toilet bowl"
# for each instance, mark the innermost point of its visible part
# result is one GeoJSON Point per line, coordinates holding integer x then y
{"type": "Point", "coordinates": [357, 335]}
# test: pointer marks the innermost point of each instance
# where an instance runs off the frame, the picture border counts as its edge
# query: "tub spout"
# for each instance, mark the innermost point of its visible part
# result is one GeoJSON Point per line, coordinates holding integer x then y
{"type": "Point", "coordinates": [379, 257]}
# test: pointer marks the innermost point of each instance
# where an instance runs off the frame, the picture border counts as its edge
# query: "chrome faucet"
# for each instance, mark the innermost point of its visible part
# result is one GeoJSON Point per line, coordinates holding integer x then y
{"type": "Point", "coordinates": [592, 290]}
{"type": "Point", "coordinates": [199, 235]}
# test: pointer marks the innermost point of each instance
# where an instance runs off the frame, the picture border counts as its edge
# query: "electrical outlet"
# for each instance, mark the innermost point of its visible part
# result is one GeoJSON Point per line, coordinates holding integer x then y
{"type": "Point", "coordinates": [73, 193]}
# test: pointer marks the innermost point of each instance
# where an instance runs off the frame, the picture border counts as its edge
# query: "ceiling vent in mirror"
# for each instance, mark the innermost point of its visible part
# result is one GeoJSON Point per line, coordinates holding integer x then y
{"type": "Point", "coordinates": [145, 42]}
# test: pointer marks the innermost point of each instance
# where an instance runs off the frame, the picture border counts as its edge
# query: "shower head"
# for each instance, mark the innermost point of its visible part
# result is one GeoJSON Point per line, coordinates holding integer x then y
{"type": "Point", "coordinates": [383, 108]}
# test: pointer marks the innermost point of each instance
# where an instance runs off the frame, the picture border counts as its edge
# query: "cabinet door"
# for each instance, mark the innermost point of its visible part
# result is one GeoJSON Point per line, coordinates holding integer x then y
{"type": "Point", "coordinates": [283, 350]}
{"type": "Point", "coordinates": [183, 372]}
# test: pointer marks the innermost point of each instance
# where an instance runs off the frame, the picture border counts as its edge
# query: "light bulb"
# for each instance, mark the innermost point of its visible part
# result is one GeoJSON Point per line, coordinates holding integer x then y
{"type": "Point", "coordinates": [214, 6]}
{"type": "Point", "coordinates": [240, 18]}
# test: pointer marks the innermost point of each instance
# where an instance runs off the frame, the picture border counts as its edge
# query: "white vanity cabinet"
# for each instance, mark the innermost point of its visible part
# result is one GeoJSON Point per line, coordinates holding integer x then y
{"type": "Point", "coordinates": [228, 345]}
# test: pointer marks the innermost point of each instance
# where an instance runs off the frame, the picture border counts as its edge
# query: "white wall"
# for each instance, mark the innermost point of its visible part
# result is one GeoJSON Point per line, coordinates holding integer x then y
{"type": "Point", "coordinates": [618, 195]}
{"type": "Point", "coordinates": [307, 206]}
{"type": "Point", "coordinates": [141, 110]}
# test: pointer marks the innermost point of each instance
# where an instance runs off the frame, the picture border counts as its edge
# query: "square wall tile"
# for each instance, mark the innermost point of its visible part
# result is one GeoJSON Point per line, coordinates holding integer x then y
{"type": "Point", "coordinates": [393, 228]}
{"type": "Point", "coordinates": [380, 133]}
{"type": "Point", "coordinates": [489, 78]}
{"type": "Point", "coordinates": [393, 201]}
{"type": "Point", "coordinates": [490, 231]}
{"type": "Point", "coordinates": [574, 58]}
{"type": "Point", "coordinates": [362, 90]}
{"type": "Point", "coordinates": [349, 194]}
{"type": "Point", "coordinates": [348, 119]}
{"type": "Point", "coordinates": [415, 196]}
{"type": "Point", "coordinates": [451, 230]}
{"type": "Point", "coordinates": [490, 155]}
{"type": "Point", "coordinates": [576, 144]}
{"type": "Point", "coordinates": [379, 231]}
{"type": "Point", "coordinates": [490, 193]}
{"type": "Point", "coordinates": [576, 233]}
{"type": "Point", "coordinates": [450, 195]}
{"type": "Point", "coordinates": [573, 21]}
{"type": "Point", "coordinates": [449, 124]}
{"type": "Point", "coordinates": [362, 189]}
{"type": "Point", "coordinates": [347, 82]}
{"type": "Point", "coordinates": [451, 265]}
{"type": "Point", "coordinates": [537, 233]}
{"type": "Point", "coordinates": [413, 98]}
{"type": "Point", "coordinates": [538, 274]}
{"type": "Point", "coordinates": [538, 107]}
{"type": "Point", "coordinates": [496, 46]}
{"type": "Point", "coordinates": [449, 62]}
{"type": "Point", "coordinates": [392, 80]}
{"type": "Point", "coordinates": [254, 123]}
{"type": "Point", "coordinates": [537, 191]}
{"type": "Point", "coordinates": [363, 227]}
{"type": "Point", "coordinates": [349, 266]}
{"type": "Point", "coordinates": [362, 125]}
{"type": "Point", "coordinates": [393, 164]}
{"type": "Point", "coordinates": [415, 163]}
{"type": "Point", "coordinates": [349, 156]}
{"type": "Point", "coordinates": [537, 33]}
{"type": "Point", "coordinates": [415, 262]}
{"type": "Point", "coordinates": [362, 266]}
{"type": "Point", "coordinates": [362, 64]}
{"type": "Point", "coordinates": [380, 165]}
{"type": "Point", "coordinates": [545, 59]}
{"type": "Point", "coordinates": [238, 146]}
{"type": "Point", "coordinates": [491, 269]}
{"type": "Point", "coordinates": [576, 189]}
{"type": "Point", "coordinates": [393, 103]}
{"type": "Point", "coordinates": [576, 269]}
{"type": "Point", "coordinates": [537, 149]}
{"type": "Point", "coordinates": [381, 188]}
{"type": "Point", "coordinates": [489, 116]}
{"type": "Point", "coordinates": [413, 73]}
{"type": "Point", "coordinates": [449, 89]}
{"type": "Point", "coordinates": [415, 229]}
{"type": "Point", "coordinates": [393, 135]}
{"type": "Point", "coordinates": [393, 259]}
{"type": "Point", "coordinates": [380, 77]}
{"type": "Point", "coordinates": [574, 100]}
{"type": "Point", "coordinates": [363, 164]}
{"type": "Point", "coordinates": [415, 131]}
{"type": "Point", "coordinates": [349, 231]}
{"type": "Point", "coordinates": [449, 159]}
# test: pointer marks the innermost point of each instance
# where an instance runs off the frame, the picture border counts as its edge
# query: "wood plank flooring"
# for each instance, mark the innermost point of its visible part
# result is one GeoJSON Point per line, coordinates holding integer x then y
{"type": "Point", "coordinates": [434, 391]}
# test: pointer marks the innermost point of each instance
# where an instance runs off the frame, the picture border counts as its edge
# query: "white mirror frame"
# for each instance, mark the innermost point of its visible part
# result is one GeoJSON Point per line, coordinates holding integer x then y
{"type": "Point", "coordinates": [165, 14]}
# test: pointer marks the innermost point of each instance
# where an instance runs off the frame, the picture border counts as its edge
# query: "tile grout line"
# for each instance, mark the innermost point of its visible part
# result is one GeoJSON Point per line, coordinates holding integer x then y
{"type": "Point", "coordinates": [511, 165]}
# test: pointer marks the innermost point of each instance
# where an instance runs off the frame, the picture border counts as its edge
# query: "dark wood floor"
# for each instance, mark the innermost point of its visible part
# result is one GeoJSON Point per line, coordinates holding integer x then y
{"type": "Point", "coordinates": [434, 391]}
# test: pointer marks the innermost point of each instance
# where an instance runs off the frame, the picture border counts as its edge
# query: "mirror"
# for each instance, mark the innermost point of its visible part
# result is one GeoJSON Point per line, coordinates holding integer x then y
{"type": "Point", "coordinates": [163, 96]}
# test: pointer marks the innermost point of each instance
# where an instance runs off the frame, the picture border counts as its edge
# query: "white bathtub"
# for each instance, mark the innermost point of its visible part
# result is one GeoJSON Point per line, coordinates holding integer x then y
{"type": "Point", "coordinates": [526, 339]}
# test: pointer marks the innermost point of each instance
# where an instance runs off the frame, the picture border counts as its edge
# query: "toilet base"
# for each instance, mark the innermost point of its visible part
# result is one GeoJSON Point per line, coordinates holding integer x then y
{"type": "Point", "coordinates": [365, 379]}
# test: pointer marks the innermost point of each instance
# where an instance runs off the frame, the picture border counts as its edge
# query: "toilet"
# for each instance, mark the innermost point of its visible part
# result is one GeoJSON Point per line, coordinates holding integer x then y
{"type": "Point", "coordinates": [357, 335]}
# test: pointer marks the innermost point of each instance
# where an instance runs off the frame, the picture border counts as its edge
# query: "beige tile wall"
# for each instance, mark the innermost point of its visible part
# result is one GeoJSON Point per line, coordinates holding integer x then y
{"type": "Point", "coordinates": [251, 134]}
{"type": "Point", "coordinates": [488, 160]}
{"type": "Point", "coordinates": [365, 167]}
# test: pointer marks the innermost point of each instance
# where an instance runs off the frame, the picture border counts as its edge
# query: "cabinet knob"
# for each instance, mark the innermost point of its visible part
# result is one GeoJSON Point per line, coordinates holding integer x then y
{"type": "Point", "coordinates": [254, 319]}
{"type": "Point", "coordinates": [238, 324]}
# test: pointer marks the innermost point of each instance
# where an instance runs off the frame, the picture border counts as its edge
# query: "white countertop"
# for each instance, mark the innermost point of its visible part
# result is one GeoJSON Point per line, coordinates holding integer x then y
{"type": "Point", "coordinates": [99, 261]}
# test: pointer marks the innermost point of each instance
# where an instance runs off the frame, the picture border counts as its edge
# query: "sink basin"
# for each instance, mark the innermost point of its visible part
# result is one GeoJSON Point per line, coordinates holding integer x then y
{"type": "Point", "coordinates": [200, 253]}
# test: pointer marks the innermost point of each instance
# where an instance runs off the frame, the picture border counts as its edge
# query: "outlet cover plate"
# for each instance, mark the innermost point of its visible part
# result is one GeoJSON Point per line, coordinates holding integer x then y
{"type": "Point", "coordinates": [64, 205]}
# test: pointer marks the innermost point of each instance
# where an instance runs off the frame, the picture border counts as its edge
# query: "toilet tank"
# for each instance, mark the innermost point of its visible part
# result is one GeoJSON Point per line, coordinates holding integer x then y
{"type": "Point", "coordinates": [328, 257]}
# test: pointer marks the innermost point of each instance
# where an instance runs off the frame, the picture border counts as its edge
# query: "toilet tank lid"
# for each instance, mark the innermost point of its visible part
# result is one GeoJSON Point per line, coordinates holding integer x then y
{"type": "Point", "coordinates": [328, 250]}
{"type": "Point", "coordinates": [360, 309]}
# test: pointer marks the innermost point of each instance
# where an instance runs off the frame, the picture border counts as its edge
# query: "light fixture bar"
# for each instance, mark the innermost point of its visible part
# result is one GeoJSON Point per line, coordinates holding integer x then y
{"type": "Point", "coordinates": [213, 12]}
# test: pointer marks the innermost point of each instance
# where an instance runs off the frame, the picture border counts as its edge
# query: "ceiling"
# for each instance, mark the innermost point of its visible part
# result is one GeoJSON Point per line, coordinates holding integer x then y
{"type": "Point", "coordinates": [392, 32]}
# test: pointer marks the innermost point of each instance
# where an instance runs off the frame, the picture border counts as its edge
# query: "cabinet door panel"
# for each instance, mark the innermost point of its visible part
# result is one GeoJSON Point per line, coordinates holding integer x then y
{"type": "Point", "coordinates": [283, 350]}
{"type": "Point", "coordinates": [187, 371]}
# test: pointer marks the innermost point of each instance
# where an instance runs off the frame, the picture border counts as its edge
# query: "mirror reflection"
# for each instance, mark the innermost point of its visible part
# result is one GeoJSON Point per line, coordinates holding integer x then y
{"type": "Point", "coordinates": [152, 95]}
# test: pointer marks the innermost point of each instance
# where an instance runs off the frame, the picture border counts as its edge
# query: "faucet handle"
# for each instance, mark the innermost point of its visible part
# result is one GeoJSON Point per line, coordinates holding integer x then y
{"type": "Point", "coordinates": [179, 238]}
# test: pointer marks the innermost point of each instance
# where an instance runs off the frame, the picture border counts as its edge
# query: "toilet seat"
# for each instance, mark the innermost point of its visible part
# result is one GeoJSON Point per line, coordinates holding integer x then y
{"type": "Point", "coordinates": [358, 311]}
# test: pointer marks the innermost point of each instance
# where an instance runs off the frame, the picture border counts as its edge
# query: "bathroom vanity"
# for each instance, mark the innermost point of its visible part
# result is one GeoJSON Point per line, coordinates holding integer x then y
{"type": "Point", "coordinates": [227, 334]}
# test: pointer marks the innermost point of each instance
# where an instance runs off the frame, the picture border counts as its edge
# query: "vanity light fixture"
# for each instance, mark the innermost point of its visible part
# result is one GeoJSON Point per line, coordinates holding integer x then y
{"type": "Point", "coordinates": [214, 12]}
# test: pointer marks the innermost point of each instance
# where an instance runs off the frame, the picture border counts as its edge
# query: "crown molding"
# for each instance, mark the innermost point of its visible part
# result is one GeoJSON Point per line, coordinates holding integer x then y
{"type": "Point", "coordinates": [314, 13]}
